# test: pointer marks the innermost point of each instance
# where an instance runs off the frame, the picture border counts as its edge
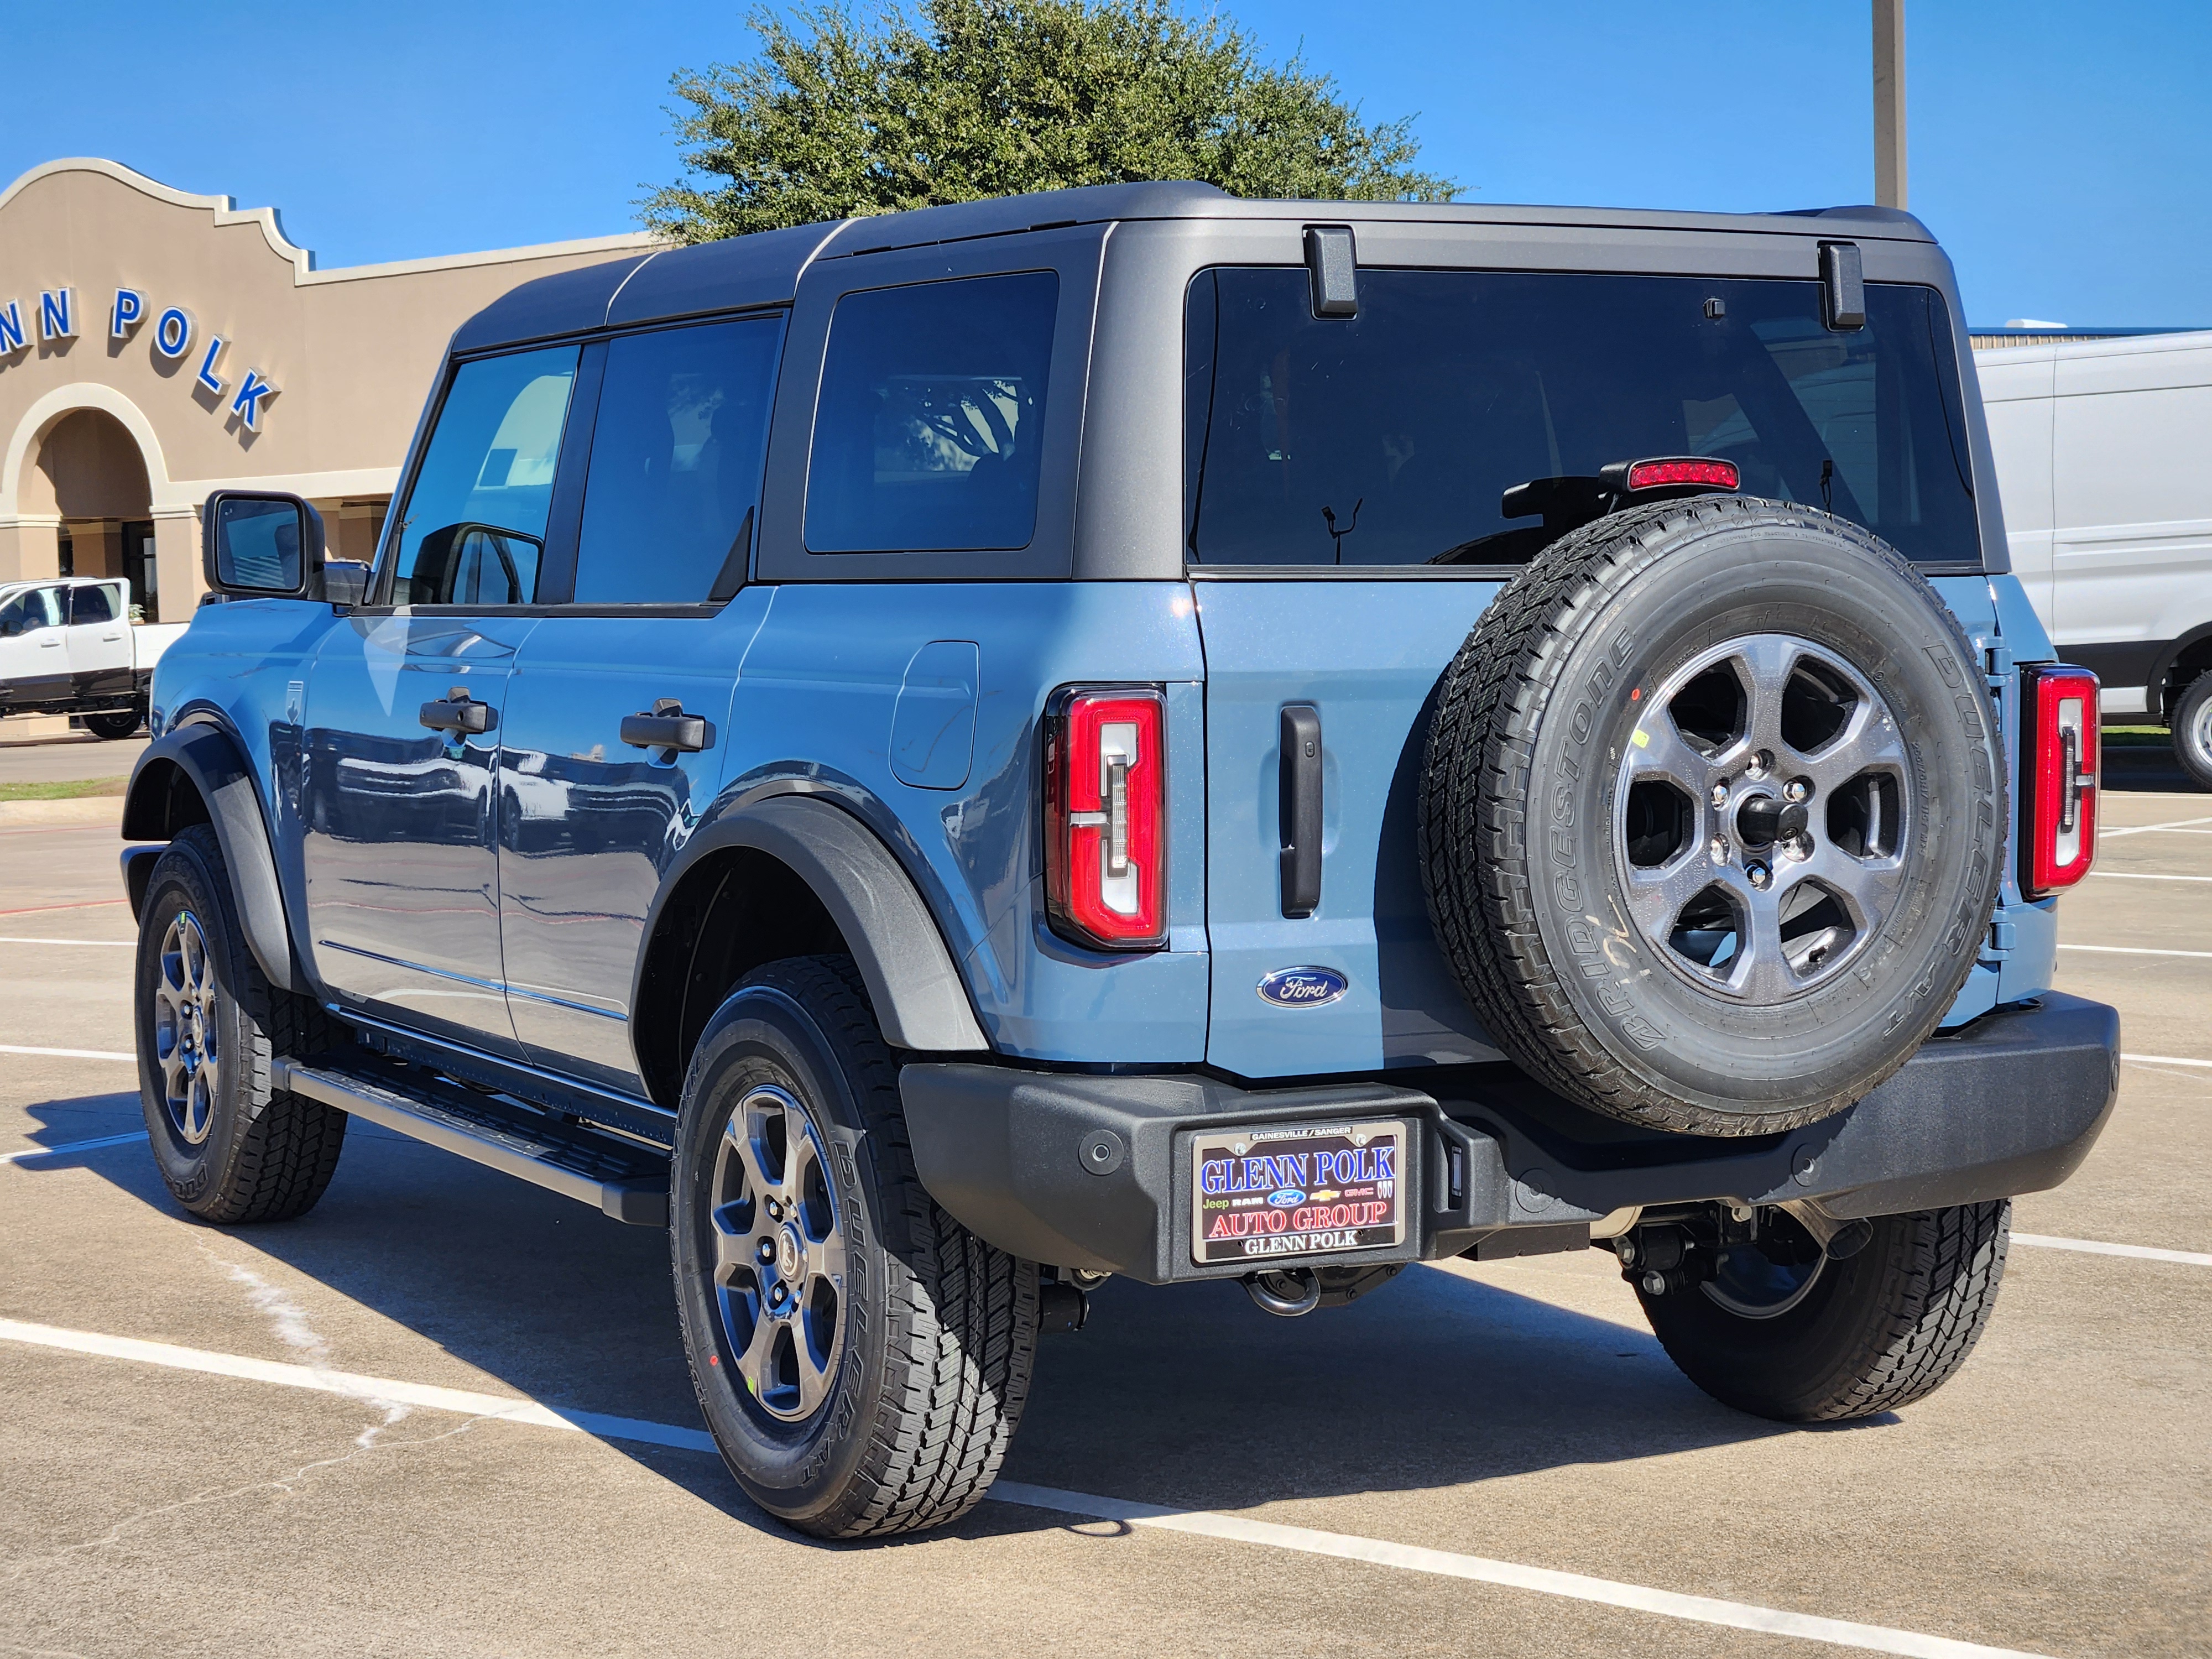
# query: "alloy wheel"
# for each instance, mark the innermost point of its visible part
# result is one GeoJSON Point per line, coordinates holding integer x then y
{"type": "Point", "coordinates": [780, 1254]}
{"type": "Point", "coordinates": [187, 1027]}
{"type": "Point", "coordinates": [1763, 817]}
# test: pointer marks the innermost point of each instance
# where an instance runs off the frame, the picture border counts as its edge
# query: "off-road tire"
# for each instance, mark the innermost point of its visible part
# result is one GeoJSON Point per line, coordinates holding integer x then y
{"type": "Point", "coordinates": [939, 1327]}
{"type": "Point", "coordinates": [2191, 724]}
{"type": "Point", "coordinates": [108, 727]}
{"type": "Point", "coordinates": [268, 1154]}
{"type": "Point", "coordinates": [1879, 1329]}
{"type": "Point", "coordinates": [1516, 808]}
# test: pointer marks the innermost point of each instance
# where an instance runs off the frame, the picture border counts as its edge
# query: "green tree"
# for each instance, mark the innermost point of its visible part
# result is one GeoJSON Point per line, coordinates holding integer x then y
{"type": "Point", "coordinates": [968, 99]}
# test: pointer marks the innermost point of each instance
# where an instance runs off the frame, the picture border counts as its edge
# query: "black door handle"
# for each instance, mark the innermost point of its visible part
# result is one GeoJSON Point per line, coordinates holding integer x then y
{"type": "Point", "coordinates": [1301, 809]}
{"type": "Point", "coordinates": [667, 728]}
{"type": "Point", "coordinates": [458, 714]}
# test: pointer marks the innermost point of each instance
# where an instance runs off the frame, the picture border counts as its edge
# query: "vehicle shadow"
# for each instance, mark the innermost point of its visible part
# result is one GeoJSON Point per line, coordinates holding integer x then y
{"type": "Point", "coordinates": [2145, 767]}
{"type": "Point", "coordinates": [1188, 1396]}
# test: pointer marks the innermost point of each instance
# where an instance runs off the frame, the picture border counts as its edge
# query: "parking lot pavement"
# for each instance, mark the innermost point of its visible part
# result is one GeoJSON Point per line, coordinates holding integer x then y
{"type": "Point", "coordinates": [1501, 1417]}
{"type": "Point", "coordinates": [53, 760]}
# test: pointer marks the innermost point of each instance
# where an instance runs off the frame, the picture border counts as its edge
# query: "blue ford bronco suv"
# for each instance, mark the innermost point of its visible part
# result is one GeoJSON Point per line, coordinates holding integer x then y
{"type": "Point", "coordinates": [945, 757]}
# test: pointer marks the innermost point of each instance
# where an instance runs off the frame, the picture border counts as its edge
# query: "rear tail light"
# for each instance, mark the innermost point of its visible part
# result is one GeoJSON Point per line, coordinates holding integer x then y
{"type": "Point", "coordinates": [2060, 742]}
{"type": "Point", "coordinates": [1105, 857]}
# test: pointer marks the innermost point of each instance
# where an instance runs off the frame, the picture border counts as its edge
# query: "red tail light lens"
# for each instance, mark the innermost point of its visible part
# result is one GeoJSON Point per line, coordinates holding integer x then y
{"type": "Point", "coordinates": [1686, 470]}
{"type": "Point", "coordinates": [2059, 826]}
{"type": "Point", "coordinates": [1105, 856]}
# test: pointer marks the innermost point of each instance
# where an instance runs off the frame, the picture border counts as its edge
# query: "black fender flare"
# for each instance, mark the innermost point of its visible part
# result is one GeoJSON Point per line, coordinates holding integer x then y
{"type": "Point", "coordinates": [920, 1000]}
{"type": "Point", "coordinates": [209, 758]}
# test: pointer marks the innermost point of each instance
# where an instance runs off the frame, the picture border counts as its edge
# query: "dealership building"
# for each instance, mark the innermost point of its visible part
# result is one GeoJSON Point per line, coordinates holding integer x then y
{"type": "Point", "coordinates": [156, 346]}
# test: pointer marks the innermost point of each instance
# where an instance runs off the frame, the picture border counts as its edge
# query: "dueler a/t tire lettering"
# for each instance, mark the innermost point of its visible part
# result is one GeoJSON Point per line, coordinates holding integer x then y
{"type": "Point", "coordinates": [1526, 861]}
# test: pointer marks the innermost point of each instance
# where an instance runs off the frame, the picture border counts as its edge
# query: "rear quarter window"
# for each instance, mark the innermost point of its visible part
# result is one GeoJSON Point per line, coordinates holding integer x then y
{"type": "Point", "coordinates": [928, 434]}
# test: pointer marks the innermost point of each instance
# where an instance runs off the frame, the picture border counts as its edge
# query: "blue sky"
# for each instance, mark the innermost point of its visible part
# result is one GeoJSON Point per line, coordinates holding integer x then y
{"type": "Point", "coordinates": [2062, 152]}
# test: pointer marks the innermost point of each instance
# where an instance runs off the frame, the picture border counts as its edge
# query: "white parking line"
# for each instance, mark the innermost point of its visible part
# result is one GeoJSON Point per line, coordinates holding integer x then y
{"type": "Point", "coordinates": [2104, 833]}
{"type": "Point", "coordinates": [466, 1401]}
{"type": "Point", "coordinates": [1574, 1586]}
{"type": "Point", "coordinates": [2092, 1247]}
{"type": "Point", "coordinates": [30, 1153]}
{"type": "Point", "coordinates": [104, 943]}
{"type": "Point", "coordinates": [2137, 875]}
{"type": "Point", "coordinates": [70, 1054]}
{"type": "Point", "coordinates": [2167, 1060]}
{"type": "Point", "coordinates": [2132, 951]}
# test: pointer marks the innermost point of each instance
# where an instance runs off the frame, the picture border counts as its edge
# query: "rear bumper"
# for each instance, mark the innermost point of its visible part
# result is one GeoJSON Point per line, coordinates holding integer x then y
{"type": "Point", "coordinates": [2010, 1104]}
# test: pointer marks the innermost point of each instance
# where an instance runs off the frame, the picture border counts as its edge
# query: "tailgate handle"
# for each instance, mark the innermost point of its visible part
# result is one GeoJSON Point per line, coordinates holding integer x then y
{"type": "Point", "coordinates": [1301, 809]}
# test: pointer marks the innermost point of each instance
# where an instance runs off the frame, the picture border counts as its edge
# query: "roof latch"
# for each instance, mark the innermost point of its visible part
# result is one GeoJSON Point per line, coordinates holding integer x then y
{"type": "Point", "coordinates": [1843, 286]}
{"type": "Point", "coordinates": [1334, 264]}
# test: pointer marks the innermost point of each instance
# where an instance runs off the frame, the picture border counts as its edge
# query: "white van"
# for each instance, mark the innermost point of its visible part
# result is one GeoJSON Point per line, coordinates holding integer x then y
{"type": "Point", "coordinates": [2104, 455]}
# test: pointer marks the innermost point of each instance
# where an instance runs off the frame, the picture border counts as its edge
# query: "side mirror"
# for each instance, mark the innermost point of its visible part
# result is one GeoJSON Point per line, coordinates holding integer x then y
{"type": "Point", "coordinates": [261, 546]}
{"type": "Point", "coordinates": [11, 628]}
{"type": "Point", "coordinates": [345, 581]}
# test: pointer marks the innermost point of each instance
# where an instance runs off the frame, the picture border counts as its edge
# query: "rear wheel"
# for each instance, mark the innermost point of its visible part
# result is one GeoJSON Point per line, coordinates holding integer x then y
{"type": "Point", "coordinates": [2192, 730]}
{"type": "Point", "coordinates": [110, 727]}
{"type": "Point", "coordinates": [861, 1359]}
{"type": "Point", "coordinates": [1784, 1331]}
{"type": "Point", "coordinates": [230, 1147]}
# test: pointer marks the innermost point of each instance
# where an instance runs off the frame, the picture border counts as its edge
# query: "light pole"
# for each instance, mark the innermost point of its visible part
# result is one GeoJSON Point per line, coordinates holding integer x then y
{"type": "Point", "coordinates": [1889, 103]}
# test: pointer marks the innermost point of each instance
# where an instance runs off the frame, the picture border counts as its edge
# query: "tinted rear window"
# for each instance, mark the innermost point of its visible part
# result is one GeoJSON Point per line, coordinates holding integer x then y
{"type": "Point", "coordinates": [1389, 438]}
{"type": "Point", "coordinates": [928, 435]}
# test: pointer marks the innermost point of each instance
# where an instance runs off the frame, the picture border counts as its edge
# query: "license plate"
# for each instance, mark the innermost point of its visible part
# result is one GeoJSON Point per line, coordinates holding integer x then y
{"type": "Point", "coordinates": [1260, 1196]}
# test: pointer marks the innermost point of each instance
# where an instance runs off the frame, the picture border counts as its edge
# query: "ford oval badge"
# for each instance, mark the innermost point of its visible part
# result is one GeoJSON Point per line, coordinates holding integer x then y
{"type": "Point", "coordinates": [1302, 988]}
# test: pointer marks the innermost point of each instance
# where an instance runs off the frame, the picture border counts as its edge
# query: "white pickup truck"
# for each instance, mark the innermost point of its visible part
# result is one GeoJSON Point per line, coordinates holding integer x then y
{"type": "Point", "coordinates": [67, 646]}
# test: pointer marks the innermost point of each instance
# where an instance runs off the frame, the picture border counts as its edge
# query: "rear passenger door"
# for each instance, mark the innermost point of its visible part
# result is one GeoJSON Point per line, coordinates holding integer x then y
{"type": "Point", "coordinates": [617, 716]}
{"type": "Point", "coordinates": [98, 641]}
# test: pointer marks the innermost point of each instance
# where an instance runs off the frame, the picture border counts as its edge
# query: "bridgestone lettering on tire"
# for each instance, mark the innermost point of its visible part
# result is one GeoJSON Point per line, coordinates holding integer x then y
{"type": "Point", "coordinates": [1712, 814]}
{"type": "Point", "coordinates": [893, 1411]}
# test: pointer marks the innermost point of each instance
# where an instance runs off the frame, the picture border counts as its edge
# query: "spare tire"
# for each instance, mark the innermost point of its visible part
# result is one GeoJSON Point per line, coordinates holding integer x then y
{"type": "Point", "coordinates": [1712, 814]}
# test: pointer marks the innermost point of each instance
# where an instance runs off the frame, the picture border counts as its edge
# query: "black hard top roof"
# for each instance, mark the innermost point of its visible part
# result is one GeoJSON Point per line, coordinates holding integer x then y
{"type": "Point", "coordinates": [764, 269]}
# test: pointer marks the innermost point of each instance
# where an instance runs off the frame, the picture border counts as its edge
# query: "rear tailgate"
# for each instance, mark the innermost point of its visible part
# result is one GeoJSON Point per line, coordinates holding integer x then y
{"type": "Point", "coordinates": [1366, 656]}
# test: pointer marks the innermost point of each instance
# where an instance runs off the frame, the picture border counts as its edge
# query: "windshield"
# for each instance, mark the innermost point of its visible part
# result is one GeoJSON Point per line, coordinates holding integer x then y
{"type": "Point", "coordinates": [1389, 438]}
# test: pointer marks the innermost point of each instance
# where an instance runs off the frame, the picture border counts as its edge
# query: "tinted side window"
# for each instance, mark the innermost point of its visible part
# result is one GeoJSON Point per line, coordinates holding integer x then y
{"type": "Point", "coordinates": [94, 603]}
{"type": "Point", "coordinates": [929, 436]}
{"type": "Point", "coordinates": [475, 528]}
{"type": "Point", "coordinates": [676, 463]}
{"type": "Point", "coordinates": [44, 607]}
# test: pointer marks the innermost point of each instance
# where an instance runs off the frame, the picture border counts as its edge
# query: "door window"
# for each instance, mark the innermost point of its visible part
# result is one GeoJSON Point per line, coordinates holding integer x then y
{"type": "Point", "coordinates": [676, 463]}
{"type": "Point", "coordinates": [92, 603]}
{"type": "Point", "coordinates": [929, 436]}
{"type": "Point", "coordinates": [42, 607]}
{"type": "Point", "coordinates": [474, 531]}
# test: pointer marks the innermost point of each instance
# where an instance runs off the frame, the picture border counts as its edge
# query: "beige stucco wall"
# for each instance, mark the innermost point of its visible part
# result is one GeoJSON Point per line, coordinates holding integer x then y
{"type": "Point", "coordinates": [351, 352]}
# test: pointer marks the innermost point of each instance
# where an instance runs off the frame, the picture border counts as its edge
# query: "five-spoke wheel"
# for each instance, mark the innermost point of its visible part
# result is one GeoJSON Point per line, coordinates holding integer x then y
{"type": "Point", "coordinates": [1761, 818]}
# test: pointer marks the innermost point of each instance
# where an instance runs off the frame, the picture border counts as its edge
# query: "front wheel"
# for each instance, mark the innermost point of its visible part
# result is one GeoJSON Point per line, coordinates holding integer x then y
{"type": "Point", "coordinates": [861, 1359]}
{"type": "Point", "coordinates": [230, 1147]}
{"type": "Point", "coordinates": [110, 726]}
{"type": "Point", "coordinates": [1792, 1334]}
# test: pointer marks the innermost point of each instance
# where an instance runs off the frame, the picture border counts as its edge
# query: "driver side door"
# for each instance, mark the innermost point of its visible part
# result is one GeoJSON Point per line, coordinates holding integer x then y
{"type": "Point", "coordinates": [404, 708]}
{"type": "Point", "coordinates": [34, 669]}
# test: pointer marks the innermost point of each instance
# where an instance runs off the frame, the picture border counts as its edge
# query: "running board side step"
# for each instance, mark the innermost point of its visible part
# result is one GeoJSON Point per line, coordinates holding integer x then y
{"type": "Point", "coordinates": [622, 1178]}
